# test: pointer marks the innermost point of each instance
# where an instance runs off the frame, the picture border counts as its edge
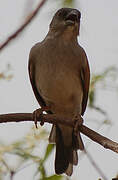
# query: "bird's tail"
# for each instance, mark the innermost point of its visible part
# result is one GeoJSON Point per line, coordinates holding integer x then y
{"type": "Point", "coordinates": [66, 149]}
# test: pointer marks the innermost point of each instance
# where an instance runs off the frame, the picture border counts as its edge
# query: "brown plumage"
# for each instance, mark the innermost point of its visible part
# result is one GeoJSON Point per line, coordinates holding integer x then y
{"type": "Point", "coordinates": [59, 74]}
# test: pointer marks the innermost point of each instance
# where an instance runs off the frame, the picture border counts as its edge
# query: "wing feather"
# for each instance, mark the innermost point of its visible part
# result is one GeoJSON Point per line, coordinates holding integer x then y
{"type": "Point", "coordinates": [32, 80]}
{"type": "Point", "coordinates": [85, 78]}
{"type": "Point", "coordinates": [31, 68]}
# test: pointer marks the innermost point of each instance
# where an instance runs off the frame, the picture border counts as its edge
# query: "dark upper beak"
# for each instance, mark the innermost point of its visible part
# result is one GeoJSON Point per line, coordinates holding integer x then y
{"type": "Point", "coordinates": [72, 17]}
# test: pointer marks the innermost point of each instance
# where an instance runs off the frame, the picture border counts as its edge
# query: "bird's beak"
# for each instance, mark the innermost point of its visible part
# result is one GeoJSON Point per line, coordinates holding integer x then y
{"type": "Point", "coordinates": [72, 18]}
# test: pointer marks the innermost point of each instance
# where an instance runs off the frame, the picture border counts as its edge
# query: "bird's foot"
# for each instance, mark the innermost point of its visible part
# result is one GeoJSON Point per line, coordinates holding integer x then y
{"type": "Point", "coordinates": [37, 114]}
{"type": "Point", "coordinates": [78, 121]}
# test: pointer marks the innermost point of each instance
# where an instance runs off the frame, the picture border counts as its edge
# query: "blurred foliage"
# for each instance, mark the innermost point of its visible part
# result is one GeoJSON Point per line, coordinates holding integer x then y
{"type": "Point", "coordinates": [26, 152]}
{"type": "Point", "coordinates": [27, 149]}
{"type": "Point", "coordinates": [6, 74]}
{"type": "Point", "coordinates": [104, 80]}
{"type": "Point", "coordinates": [68, 3]}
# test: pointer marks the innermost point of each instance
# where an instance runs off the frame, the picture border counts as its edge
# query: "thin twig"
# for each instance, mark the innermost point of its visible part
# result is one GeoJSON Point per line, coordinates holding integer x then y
{"type": "Point", "coordinates": [6, 165]}
{"type": "Point", "coordinates": [23, 26]}
{"type": "Point", "coordinates": [54, 119]}
{"type": "Point", "coordinates": [89, 143]}
{"type": "Point", "coordinates": [95, 165]}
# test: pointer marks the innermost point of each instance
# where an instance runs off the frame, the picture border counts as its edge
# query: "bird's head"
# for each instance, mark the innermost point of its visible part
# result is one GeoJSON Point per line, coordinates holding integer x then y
{"type": "Point", "coordinates": [66, 20]}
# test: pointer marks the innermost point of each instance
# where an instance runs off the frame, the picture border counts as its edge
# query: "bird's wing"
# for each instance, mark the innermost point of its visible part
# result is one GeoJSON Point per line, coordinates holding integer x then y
{"type": "Point", "coordinates": [31, 68]}
{"type": "Point", "coordinates": [85, 78]}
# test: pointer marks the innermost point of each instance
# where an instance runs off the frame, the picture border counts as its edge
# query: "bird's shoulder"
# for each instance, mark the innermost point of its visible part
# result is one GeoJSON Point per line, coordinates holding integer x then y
{"type": "Point", "coordinates": [34, 51]}
{"type": "Point", "coordinates": [41, 51]}
{"type": "Point", "coordinates": [81, 50]}
{"type": "Point", "coordinates": [82, 54]}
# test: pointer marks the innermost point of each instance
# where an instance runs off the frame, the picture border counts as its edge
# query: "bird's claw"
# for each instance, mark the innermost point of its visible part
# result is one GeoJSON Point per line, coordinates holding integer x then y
{"type": "Point", "coordinates": [36, 114]}
{"type": "Point", "coordinates": [78, 121]}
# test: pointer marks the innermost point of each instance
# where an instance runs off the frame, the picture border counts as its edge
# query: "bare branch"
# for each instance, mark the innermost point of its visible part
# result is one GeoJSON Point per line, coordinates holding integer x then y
{"type": "Point", "coordinates": [54, 119]}
{"type": "Point", "coordinates": [23, 26]}
{"type": "Point", "coordinates": [95, 165]}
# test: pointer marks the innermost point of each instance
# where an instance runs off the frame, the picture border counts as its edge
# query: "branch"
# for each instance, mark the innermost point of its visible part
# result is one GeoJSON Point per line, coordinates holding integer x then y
{"type": "Point", "coordinates": [95, 165]}
{"type": "Point", "coordinates": [23, 26]}
{"type": "Point", "coordinates": [54, 119]}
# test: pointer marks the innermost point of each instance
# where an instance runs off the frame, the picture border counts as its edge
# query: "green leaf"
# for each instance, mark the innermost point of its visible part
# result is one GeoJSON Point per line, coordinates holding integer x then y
{"type": "Point", "coordinates": [54, 177]}
{"type": "Point", "coordinates": [49, 149]}
{"type": "Point", "coordinates": [91, 98]}
{"type": "Point", "coordinates": [68, 3]}
{"type": "Point", "coordinates": [25, 155]}
{"type": "Point", "coordinates": [42, 171]}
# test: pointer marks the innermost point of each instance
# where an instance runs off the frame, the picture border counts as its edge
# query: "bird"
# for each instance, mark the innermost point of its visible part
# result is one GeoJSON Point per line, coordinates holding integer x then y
{"type": "Point", "coordinates": [60, 76]}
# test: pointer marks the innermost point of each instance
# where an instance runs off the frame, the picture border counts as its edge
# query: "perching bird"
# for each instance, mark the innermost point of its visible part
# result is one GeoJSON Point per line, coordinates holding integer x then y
{"type": "Point", "coordinates": [59, 74]}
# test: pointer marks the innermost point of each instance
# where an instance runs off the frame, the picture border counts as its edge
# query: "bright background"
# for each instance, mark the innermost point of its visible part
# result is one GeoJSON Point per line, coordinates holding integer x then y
{"type": "Point", "coordinates": [98, 36]}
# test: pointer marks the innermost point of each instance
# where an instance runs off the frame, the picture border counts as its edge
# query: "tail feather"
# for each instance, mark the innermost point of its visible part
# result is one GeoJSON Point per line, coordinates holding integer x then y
{"type": "Point", "coordinates": [69, 170]}
{"type": "Point", "coordinates": [77, 142]}
{"type": "Point", "coordinates": [66, 156]}
{"type": "Point", "coordinates": [62, 154]}
{"type": "Point", "coordinates": [81, 144]}
{"type": "Point", "coordinates": [52, 137]}
{"type": "Point", "coordinates": [75, 157]}
{"type": "Point", "coordinates": [62, 159]}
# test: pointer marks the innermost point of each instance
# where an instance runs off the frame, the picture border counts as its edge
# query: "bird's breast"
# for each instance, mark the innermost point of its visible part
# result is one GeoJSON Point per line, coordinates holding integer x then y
{"type": "Point", "coordinates": [59, 83]}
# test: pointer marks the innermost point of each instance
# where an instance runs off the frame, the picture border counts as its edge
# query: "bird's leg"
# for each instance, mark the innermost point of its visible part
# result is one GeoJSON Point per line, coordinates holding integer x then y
{"type": "Point", "coordinates": [37, 113]}
{"type": "Point", "coordinates": [78, 121]}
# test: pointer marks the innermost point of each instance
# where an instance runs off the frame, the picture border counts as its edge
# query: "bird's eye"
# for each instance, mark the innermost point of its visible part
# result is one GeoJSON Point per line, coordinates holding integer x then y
{"type": "Point", "coordinates": [62, 13]}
